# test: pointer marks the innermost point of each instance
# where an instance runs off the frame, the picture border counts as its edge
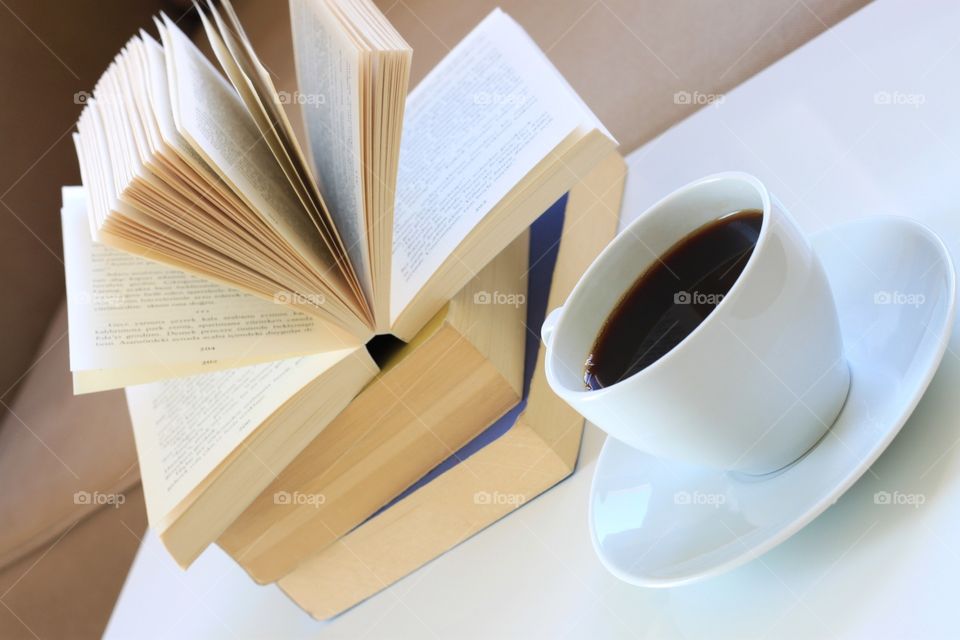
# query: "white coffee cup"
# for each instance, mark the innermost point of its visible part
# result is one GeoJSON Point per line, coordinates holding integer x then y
{"type": "Point", "coordinates": [756, 384]}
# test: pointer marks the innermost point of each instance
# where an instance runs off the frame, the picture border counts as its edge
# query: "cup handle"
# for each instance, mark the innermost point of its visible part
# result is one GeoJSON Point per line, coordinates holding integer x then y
{"type": "Point", "coordinates": [546, 331]}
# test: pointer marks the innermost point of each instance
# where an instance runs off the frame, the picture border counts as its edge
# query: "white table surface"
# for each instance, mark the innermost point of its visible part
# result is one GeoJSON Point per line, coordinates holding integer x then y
{"type": "Point", "coordinates": [812, 128]}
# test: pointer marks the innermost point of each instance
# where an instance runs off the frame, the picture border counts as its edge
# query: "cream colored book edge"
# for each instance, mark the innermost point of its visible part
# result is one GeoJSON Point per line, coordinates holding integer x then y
{"type": "Point", "coordinates": [189, 525]}
{"type": "Point", "coordinates": [539, 451]}
{"type": "Point", "coordinates": [458, 376]}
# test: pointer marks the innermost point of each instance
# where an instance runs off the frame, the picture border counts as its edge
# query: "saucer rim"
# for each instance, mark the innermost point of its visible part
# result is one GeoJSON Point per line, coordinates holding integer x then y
{"type": "Point", "coordinates": [855, 473]}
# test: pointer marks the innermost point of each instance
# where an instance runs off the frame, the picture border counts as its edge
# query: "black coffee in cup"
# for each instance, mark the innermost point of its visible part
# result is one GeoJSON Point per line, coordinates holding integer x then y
{"type": "Point", "coordinates": [672, 297]}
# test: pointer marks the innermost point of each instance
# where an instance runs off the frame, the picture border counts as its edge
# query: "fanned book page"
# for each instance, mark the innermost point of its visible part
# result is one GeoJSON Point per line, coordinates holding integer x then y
{"type": "Point", "coordinates": [148, 321]}
{"type": "Point", "coordinates": [197, 166]}
{"type": "Point", "coordinates": [328, 78]}
{"type": "Point", "coordinates": [369, 221]}
{"type": "Point", "coordinates": [352, 74]}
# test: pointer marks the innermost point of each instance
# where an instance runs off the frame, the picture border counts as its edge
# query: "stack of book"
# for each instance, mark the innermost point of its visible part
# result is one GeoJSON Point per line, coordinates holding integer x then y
{"type": "Point", "coordinates": [322, 319]}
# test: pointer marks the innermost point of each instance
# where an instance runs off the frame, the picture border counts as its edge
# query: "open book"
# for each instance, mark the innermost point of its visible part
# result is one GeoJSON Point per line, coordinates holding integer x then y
{"type": "Point", "coordinates": [209, 444]}
{"type": "Point", "coordinates": [356, 229]}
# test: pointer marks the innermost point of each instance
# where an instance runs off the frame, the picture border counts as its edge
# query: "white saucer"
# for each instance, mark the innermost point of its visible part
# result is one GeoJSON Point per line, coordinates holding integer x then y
{"type": "Point", "coordinates": [656, 523]}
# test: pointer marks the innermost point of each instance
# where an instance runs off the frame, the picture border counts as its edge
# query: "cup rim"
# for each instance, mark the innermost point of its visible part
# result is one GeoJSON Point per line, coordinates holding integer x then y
{"type": "Point", "coordinates": [762, 239]}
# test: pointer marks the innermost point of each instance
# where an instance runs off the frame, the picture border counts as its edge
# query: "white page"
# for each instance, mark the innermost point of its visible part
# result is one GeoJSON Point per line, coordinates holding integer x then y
{"type": "Point", "coordinates": [212, 118]}
{"type": "Point", "coordinates": [328, 80]}
{"type": "Point", "coordinates": [474, 127]}
{"type": "Point", "coordinates": [184, 428]}
{"type": "Point", "coordinates": [126, 312]}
